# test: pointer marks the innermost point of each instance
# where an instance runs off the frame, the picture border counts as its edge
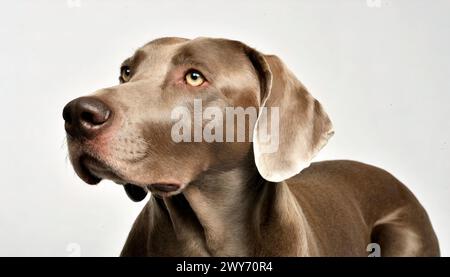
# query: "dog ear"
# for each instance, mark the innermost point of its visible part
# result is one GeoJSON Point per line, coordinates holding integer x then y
{"type": "Point", "coordinates": [291, 127]}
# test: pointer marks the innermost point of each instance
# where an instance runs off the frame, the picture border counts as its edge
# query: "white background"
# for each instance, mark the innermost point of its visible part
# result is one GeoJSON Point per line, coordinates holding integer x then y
{"type": "Point", "coordinates": [381, 71]}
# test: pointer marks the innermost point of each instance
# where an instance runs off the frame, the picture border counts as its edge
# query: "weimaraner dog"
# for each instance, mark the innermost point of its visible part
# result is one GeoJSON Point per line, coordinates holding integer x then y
{"type": "Point", "coordinates": [234, 198]}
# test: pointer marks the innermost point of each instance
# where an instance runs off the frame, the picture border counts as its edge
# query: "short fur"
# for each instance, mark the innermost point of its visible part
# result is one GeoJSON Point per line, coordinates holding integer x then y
{"type": "Point", "coordinates": [234, 199]}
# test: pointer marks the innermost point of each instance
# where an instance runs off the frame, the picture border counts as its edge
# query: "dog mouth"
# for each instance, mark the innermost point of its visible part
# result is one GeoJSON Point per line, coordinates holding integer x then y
{"type": "Point", "coordinates": [84, 171]}
{"type": "Point", "coordinates": [137, 193]}
{"type": "Point", "coordinates": [92, 171]}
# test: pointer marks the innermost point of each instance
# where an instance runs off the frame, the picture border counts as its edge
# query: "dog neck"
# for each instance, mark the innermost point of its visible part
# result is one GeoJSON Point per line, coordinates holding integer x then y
{"type": "Point", "coordinates": [229, 213]}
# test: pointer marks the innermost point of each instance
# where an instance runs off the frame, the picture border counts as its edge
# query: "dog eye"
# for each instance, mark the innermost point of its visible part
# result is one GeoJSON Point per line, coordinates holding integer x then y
{"type": "Point", "coordinates": [125, 73]}
{"type": "Point", "coordinates": [194, 78]}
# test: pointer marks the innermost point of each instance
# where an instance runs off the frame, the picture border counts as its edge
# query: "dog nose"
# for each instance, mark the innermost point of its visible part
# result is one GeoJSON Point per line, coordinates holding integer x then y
{"type": "Point", "coordinates": [85, 117]}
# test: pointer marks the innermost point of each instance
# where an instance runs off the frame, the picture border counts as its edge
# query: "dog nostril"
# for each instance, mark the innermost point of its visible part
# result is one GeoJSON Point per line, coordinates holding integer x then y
{"type": "Point", "coordinates": [92, 111]}
{"type": "Point", "coordinates": [86, 116]}
{"type": "Point", "coordinates": [95, 118]}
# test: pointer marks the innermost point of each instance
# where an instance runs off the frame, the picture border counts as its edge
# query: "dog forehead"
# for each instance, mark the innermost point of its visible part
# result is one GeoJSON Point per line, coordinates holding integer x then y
{"type": "Point", "coordinates": [218, 52]}
{"type": "Point", "coordinates": [158, 51]}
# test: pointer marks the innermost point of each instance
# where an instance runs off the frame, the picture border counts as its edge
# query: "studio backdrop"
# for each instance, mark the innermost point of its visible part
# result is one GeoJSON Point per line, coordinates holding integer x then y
{"type": "Point", "coordinates": [380, 68]}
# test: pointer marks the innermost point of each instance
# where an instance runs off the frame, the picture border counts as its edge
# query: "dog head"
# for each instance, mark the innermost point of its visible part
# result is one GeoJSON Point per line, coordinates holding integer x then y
{"type": "Point", "coordinates": [173, 117]}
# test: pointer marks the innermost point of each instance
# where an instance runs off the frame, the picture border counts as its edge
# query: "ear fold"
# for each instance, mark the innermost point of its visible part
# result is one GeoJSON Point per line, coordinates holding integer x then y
{"type": "Point", "coordinates": [291, 126]}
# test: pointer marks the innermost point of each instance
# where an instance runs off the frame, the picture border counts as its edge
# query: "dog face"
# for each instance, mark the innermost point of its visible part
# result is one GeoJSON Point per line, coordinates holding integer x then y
{"type": "Point", "coordinates": [134, 144]}
{"type": "Point", "coordinates": [125, 133]}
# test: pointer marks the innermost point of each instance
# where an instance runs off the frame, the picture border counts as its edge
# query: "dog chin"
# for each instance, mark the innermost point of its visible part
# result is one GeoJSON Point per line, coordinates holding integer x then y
{"type": "Point", "coordinates": [92, 170]}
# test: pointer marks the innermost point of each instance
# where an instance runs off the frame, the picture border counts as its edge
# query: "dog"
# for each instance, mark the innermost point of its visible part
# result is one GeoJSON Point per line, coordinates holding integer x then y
{"type": "Point", "coordinates": [235, 198]}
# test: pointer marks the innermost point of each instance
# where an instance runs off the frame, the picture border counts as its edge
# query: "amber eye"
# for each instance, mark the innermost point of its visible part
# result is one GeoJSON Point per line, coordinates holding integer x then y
{"type": "Point", "coordinates": [194, 78]}
{"type": "Point", "coordinates": [125, 73]}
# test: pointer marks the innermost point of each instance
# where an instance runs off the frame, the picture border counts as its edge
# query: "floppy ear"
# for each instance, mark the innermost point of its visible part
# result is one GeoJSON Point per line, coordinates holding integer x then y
{"type": "Point", "coordinates": [291, 126]}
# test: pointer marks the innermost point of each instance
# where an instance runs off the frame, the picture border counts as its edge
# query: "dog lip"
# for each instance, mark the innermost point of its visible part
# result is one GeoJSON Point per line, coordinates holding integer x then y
{"type": "Point", "coordinates": [85, 173]}
{"type": "Point", "coordinates": [164, 187]}
{"type": "Point", "coordinates": [135, 193]}
{"type": "Point", "coordinates": [101, 169]}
